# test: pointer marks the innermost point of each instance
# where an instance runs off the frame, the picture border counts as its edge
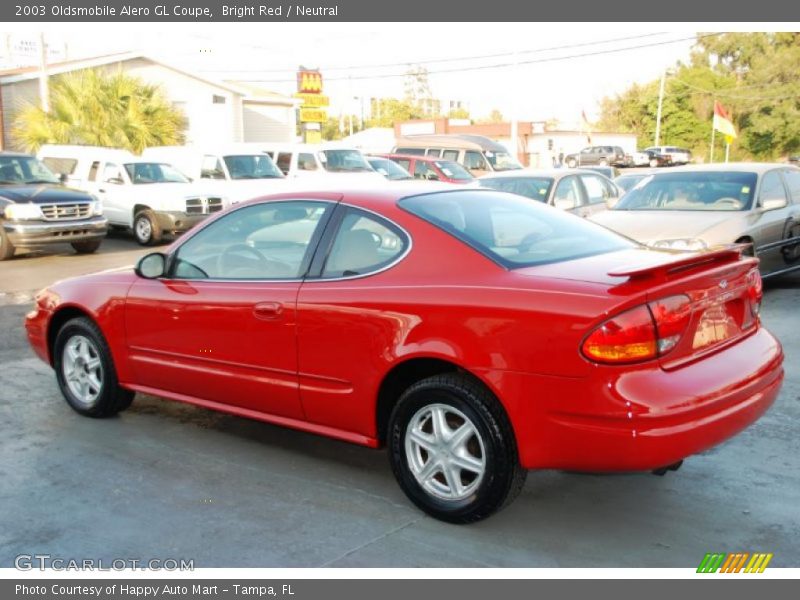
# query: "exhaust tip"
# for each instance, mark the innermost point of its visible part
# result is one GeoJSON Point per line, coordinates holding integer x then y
{"type": "Point", "coordinates": [661, 471]}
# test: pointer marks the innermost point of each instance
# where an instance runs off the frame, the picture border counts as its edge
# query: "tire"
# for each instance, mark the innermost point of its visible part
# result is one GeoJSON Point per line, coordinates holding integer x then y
{"type": "Point", "coordinates": [489, 476]}
{"type": "Point", "coordinates": [6, 247]}
{"type": "Point", "coordinates": [572, 163]}
{"type": "Point", "coordinates": [146, 229]}
{"type": "Point", "coordinates": [86, 247]}
{"type": "Point", "coordinates": [603, 162]}
{"type": "Point", "coordinates": [92, 391]}
{"type": "Point", "coordinates": [653, 163]}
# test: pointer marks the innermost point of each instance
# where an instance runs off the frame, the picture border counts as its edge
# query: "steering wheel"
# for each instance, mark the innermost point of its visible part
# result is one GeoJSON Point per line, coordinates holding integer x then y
{"type": "Point", "coordinates": [728, 201]}
{"type": "Point", "coordinates": [271, 266]}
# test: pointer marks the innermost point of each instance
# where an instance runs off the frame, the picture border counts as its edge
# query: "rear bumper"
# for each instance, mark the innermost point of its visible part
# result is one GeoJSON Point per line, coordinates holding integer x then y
{"type": "Point", "coordinates": [40, 233]}
{"type": "Point", "coordinates": [645, 418]}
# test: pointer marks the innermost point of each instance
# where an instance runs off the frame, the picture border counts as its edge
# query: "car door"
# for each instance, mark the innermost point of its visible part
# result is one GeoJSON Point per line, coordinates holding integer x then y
{"type": "Point", "coordinates": [598, 193]}
{"type": "Point", "coordinates": [343, 324]}
{"type": "Point", "coordinates": [220, 326]}
{"type": "Point", "coordinates": [770, 225]}
{"type": "Point", "coordinates": [568, 195]}
{"type": "Point", "coordinates": [791, 253]}
{"type": "Point", "coordinates": [114, 194]}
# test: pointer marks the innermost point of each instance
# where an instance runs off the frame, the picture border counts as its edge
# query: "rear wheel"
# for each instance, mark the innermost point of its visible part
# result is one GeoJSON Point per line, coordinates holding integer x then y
{"type": "Point", "coordinates": [146, 229]}
{"type": "Point", "coordinates": [653, 163]}
{"type": "Point", "coordinates": [603, 162]}
{"type": "Point", "coordinates": [572, 163]}
{"type": "Point", "coordinates": [85, 370]}
{"type": "Point", "coordinates": [6, 247]}
{"type": "Point", "coordinates": [452, 449]}
{"type": "Point", "coordinates": [85, 247]}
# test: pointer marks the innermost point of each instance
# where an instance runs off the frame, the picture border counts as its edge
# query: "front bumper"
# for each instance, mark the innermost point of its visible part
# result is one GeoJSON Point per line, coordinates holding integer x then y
{"type": "Point", "coordinates": [178, 222]}
{"type": "Point", "coordinates": [27, 234]}
{"type": "Point", "coordinates": [642, 418]}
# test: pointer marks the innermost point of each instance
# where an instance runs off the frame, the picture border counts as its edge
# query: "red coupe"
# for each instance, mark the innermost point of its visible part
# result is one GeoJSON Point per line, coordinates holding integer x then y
{"type": "Point", "coordinates": [474, 333]}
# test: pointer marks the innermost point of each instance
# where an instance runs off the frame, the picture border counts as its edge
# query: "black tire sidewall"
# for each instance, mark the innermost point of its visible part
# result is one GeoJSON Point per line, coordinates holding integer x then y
{"type": "Point", "coordinates": [491, 491]}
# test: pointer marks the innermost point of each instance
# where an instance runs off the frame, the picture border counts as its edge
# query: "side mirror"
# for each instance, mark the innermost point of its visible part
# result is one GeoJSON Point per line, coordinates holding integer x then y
{"type": "Point", "coordinates": [115, 180]}
{"type": "Point", "coordinates": [611, 201]}
{"type": "Point", "coordinates": [63, 178]}
{"type": "Point", "coordinates": [565, 203]}
{"type": "Point", "coordinates": [152, 266]}
{"type": "Point", "coordinates": [774, 203]}
{"type": "Point", "coordinates": [432, 177]}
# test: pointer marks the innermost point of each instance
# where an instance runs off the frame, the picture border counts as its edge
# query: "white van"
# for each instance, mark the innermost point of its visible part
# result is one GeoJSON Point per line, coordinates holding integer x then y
{"type": "Point", "coordinates": [330, 161]}
{"type": "Point", "coordinates": [236, 172]}
{"type": "Point", "coordinates": [152, 198]}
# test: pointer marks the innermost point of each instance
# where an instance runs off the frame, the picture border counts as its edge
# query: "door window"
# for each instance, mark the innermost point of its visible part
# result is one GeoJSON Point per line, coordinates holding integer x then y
{"type": "Point", "coordinates": [567, 189]}
{"type": "Point", "coordinates": [793, 182]}
{"type": "Point", "coordinates": [365, 243]}
{"type": "Point", "coordinates": [771, 187]}
{"type": "Point", "coordinates": [284, 162]}
{"type": "Point", "coordinates": [423, 171]}
{"type": "Point", "coordinates": [450, 155]}
{"type": "Point", "coordinates": [266, 241]}
{"type": "Point", "coordinates": [474, 160]}
{"type": "Point", "coordinates": [93, 170]}
{"type": "Point", "coordinates": [306, 162]}
{"type": "Point", "coordinates": [112, 173]}
{"type": "Point", "coordinates": [597, 189]}
{"type": "Point", "coordinates": [211, 168]}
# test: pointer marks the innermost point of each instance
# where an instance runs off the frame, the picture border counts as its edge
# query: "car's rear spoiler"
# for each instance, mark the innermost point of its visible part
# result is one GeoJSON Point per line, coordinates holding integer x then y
{"type": "Point", "coordinates": [685, 262]}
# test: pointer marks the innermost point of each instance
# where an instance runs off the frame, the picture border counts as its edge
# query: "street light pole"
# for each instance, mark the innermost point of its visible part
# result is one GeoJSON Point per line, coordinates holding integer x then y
{"type": "Point", "coordinates": [660, 105]}
{"type": "Point", "coordinates": [44, 90]}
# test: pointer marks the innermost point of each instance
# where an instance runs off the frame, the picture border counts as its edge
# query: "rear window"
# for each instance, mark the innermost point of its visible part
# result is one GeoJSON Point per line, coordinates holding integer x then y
{"type": "Point", "coordinates": [61, 166]}
{"type": "Point", "coordinates": [511, 230]}
{"type": "Point", "coordinates": [535, 188]}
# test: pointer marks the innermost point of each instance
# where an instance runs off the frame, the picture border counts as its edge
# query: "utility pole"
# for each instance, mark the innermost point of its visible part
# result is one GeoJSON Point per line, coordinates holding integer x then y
{"type": "Point", "coordinates": [44, 88]}
{"type": "Point", "coordinates": [515, 107]}
{"type": "Point", "coordinates": [660, 105]}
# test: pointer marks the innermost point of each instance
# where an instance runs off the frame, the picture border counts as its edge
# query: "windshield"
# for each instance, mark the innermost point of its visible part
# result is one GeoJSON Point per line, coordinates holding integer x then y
{"type": "Point", "coordinates": [453, 170]}
{"type": "Point", "coordinates": [627, 182]}
{"type": "Point", "coordinates": [351, 161]}
{"type": "Point", "coordinates": [501, 160]}
{"type": "Point", "coordinates": [700, 191]}
{"type": "Point", "coordinates": [535, 188]}
{"type": "Point", "coordinates": [144, 172]}
{"type": "Point", "coordinates": [511, 230]}
{"type": "Point", "coordinates": [251, 166]}
{"type": "Point", "coordinates": [24, 169]}
{"type": "Point", "coordinates": [389, 169]}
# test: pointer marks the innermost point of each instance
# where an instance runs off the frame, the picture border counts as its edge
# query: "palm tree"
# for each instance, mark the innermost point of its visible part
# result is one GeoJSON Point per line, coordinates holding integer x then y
{"type": "Point", "coordinates": [93, 108]}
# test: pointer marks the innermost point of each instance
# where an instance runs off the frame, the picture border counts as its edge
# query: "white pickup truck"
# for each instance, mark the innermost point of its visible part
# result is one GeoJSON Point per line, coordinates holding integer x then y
{"type": "Point", "coordinates": [154, 199]}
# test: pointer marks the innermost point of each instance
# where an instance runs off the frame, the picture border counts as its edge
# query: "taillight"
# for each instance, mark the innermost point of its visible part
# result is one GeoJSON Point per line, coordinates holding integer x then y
{"type": "Point", "coordinates": [641, 333]}
{"type": "Point", "coordinates": [755, 291]}
{"type": "Point", "coordinates": [627, 337]}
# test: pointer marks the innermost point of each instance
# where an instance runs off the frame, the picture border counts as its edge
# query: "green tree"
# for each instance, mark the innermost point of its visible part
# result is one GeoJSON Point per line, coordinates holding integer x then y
{"type": "Point", "coordinates": [458, 113]}
{"type": "Point", "coordinates": [388, 111]}
{"type": "Point", "coordinates": [92, 108]}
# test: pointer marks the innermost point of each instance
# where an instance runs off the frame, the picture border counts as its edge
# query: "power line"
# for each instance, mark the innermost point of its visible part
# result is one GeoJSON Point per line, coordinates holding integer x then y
{"type": "Point", "coordinates": [432, 61]}
{"type": "Point", "coordinates": [504, 64]}
{"type": "Point", "coordinates": [722, 92]}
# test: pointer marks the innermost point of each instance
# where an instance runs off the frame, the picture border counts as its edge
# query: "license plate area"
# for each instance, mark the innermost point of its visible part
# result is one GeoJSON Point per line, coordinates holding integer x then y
{"type": "Point", "coordinates": [719, 322]}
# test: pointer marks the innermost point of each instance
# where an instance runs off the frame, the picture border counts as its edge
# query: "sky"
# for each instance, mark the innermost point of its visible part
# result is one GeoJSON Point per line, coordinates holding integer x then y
{"type": "Point", "coordinates": [547, 72]}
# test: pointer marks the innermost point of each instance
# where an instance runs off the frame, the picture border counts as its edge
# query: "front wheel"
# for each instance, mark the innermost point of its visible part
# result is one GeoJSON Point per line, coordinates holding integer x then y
{"type": "Point", "coordinates": [603, 162]}
{"type": "Point", "coordinates": [85, 370]}
{"type": "Point", "coordinates": [6, 247]}
{"type": "Point", "coordinates": [653, 163]}
{"type": "Point", "coordinates": [572, 163]}
{"type": "Point", "coordinates": [452, 449]}
{"type": "Point", "coordinates": [146, 229]}
{"type": "Point", "coordinates": [86, 247]}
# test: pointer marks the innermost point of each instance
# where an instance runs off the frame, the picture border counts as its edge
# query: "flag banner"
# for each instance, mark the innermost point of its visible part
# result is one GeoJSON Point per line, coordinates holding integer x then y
{"type": "Point", "coordinates": [723, 122]}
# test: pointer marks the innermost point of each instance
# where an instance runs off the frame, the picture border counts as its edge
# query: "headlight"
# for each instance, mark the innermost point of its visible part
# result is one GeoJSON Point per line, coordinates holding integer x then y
{"type": "Point", "coordinates": [97, 207]}
{"type": "Point", "coordinates": [21, 212]}
{"type": "Point", "coordinates": [681, 244]}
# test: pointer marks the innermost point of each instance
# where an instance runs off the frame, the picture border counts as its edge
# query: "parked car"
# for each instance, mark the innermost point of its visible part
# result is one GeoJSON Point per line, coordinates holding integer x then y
{"type": "Point", "coordinates": [698, 207]}
{"type": "Point", "coordinates": [478, 154]}
{"type": "Point", "coordinates": [36, 210]}
{"type": "Point", "coordinates": [154, 199]}
{"type": "Point", "coordinates": [234, 172]}
{"type": "Point", "coordinates": [598, 155]}
{"type": "Point", "coordinates": [650, 158]}
{"type": "Point", "coordinates": [326, 163]}
{"type": "Point", "coordinates": [607, 172]}
{"type": "Point", "coordinates": [388, 168]}
{"type": "Point", "coordinates": [579, 192]}
{"type": "Point", "coordinates": [485, 335]}
{"type": "Point", "coordinates": [678, 156]}
{"type": "Point", "coordinates": [432, 169]}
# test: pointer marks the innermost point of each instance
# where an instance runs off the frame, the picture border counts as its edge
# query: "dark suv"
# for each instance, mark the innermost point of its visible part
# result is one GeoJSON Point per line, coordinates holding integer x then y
{"type": "Point", "coordinates": [36, 210]}
{"type": "Point", "coordinates": [598, 155]}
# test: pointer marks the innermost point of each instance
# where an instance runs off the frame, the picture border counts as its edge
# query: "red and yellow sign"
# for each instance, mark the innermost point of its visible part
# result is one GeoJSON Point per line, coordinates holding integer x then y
{"type": "Point", "coordinates": [312, 115]}
{"type": "Point", "coordinates": [309, 82]}
{"type": "Point", "coordinates": [310, 100]}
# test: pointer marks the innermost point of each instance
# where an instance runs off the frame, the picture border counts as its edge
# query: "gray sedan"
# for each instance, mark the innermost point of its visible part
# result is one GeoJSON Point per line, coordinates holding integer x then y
{"type": "Point", "coordinates": [581, 192]}
{"type": "Point", "coordinates": [697, 207]}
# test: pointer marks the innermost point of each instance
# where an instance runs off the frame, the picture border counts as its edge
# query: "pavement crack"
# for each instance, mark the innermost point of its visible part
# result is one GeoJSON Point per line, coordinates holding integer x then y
{"type": "Point", "coordinates": [383, 536]}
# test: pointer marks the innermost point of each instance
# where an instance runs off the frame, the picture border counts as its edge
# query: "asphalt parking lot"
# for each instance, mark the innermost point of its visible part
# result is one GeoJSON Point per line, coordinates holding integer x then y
{"type": "Point", "coordinates": [166, 480]}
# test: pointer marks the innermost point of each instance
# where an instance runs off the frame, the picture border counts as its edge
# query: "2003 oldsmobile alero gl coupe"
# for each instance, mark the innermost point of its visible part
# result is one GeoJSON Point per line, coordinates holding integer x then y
{"type": "Point", "coordinates": [474, 333]}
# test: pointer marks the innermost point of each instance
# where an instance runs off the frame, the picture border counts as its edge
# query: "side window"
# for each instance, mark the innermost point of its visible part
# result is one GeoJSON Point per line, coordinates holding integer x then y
{"type": "Point", "coordinates": [60, 166]}
{"type": "Point", "coordinates": [93, 170]}
{"type": "Point", "coordinates": [414, 151]}
{"type": "Point", "coordinates": [270, 241]}
{"type": "Point", "coordinates": [364, 243]}
{"type": "Point", "coordinates": [403, 162]}
{"type": "Point", "coordinates": [306, 162]}
{"type": "Point", "coordinates": [597, 190]}
{"type": "Point", "coordinates": [450, 155]}
{"type": "Point", "coordinates": [434, 152]}
{"type": "Point", "coordinates": [475, 160]}
{"type": "Point", "coordinates": [771, 187]}
{"type": "Point", "coordinates": [211, 168]}
{"type": "Point", "coordinates": [567, 191]}
{"type": "Point", "coordinates": [793, 183]}
{"type": "Point", "coordinates": [284, 162]}
{"type": "Point", "coordinates": [423, 171]}
{"type": "Point", "coordinates": [112, 173]}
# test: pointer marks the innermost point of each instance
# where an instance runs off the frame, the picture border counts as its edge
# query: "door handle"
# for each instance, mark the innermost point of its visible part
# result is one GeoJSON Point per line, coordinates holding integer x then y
{"type": "Point", "coordinates": [268, 310]}
{"type": "Point", "coordinates": [102, 191]}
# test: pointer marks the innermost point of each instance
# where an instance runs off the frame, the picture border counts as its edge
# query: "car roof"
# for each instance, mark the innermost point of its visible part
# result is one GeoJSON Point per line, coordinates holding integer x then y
{"type": "Point", "coordinates": [421, 157]}
{"type": "Point", "coordinates": [555, 173]}
{"type": "Point", "coordinates": [739, 167]}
